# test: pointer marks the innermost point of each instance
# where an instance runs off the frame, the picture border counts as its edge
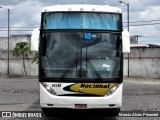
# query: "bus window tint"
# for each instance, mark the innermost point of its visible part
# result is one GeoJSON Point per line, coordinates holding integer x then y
{"type": "Point", "coordinates": [81, 21]}
{"type": "Point", "coordinates": [81, 55]}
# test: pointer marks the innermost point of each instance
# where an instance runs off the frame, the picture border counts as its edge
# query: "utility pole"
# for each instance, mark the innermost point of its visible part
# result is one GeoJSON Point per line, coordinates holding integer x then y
{"type": "Point", "coordinates": [8, 10]}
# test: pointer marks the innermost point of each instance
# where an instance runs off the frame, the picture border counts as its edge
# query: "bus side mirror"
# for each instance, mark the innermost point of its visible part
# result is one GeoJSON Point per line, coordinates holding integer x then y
{"type": "Point", "coordinates": [125, 42]}
{"type": "Point", "coordinates": [35, 39]}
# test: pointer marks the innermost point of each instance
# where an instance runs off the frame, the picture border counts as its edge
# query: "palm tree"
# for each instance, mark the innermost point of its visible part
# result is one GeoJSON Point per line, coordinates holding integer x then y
{"type": "Point", "coordinates": [22, 49]}
{"type": "Point", "coordinates": [36, 58]}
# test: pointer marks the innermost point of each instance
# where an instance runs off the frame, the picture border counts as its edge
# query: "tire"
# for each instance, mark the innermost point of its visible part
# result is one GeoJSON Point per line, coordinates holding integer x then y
{"type": "Point", "coordinates": [48, 112]}
{"type": "Point", "coordinates": [52, 112]}
{"type": "Point", "coordinates": [114, 112]}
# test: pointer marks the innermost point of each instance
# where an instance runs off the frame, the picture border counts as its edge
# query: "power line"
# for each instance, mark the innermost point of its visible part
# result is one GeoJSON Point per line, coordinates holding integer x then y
{"type": "Point", "coordinates": [16, 30]}
{"type": "Point", "coordinates": [18, 0]}
{"type": "Point", "coordinates": [142, 24]}
{"type": "Point", "coordinates": [19, 27]}
{"type": "Point", "coordinates": [145, 24]}
{"type": "Point", "coordinates": [150, 36]}
{"type": "Point", "coordinates": [142, 21]}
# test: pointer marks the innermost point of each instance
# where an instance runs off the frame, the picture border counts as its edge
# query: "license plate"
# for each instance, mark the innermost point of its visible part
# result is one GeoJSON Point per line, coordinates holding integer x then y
{"type": "Point", "coordinates": [80, 106]}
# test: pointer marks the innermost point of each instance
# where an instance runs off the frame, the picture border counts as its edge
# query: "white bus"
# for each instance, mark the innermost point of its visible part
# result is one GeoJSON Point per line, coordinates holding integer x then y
{"type": "Point", "coordinates": [81, 58]}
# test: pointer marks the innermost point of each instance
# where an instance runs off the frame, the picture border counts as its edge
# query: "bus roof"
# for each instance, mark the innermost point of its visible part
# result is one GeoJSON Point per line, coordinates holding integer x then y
{"type": "Point", "coordinates": [81, 7]}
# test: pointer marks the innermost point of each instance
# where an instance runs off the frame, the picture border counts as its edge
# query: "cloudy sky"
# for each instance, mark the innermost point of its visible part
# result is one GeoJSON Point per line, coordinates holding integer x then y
{"type": "Point", "coordinates": [25, 15]}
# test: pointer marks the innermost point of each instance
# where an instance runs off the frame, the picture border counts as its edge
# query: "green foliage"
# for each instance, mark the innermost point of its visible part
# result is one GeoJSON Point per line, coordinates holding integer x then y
{"type": "Point", "coordinates": [22, 49]}
{"type": "Point", "coordinates": [36, 58]}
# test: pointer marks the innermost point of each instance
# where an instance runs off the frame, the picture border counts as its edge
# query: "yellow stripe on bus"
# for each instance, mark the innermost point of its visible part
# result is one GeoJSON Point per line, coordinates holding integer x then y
{"type": "Point", "coordinates": [92, 88]}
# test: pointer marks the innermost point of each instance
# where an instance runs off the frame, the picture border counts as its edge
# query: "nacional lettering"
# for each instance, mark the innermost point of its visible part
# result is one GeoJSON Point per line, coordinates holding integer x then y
{"type": "Point", "coordinates": [94, 86]}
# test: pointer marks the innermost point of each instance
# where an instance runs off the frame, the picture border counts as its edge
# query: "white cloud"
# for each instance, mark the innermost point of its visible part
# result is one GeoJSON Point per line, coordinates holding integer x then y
{"type": "Point", "coordinates": [28, 13]}
{"type": "Point", "coordinates": [25, 14]}
{"type": "Point", "coordinates": [151, 13]}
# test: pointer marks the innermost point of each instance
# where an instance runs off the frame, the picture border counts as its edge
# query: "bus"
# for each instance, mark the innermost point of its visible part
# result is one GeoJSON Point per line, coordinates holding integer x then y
{"type": "Point", "coordinates": [81, 50]}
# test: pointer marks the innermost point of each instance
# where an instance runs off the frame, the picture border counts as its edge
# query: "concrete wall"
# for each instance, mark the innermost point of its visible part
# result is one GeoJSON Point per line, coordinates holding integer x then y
{"type": "Point", "coordinates": [13, 40]}
{"type": "Point", "coordinates": [15, 63]}
{"type": "Point", "coordinates": [143, 62]}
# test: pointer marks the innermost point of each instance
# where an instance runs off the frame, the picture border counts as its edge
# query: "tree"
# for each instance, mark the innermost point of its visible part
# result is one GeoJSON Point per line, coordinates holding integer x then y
{"type": "Point", "coordinates": [22, 49]}
{"type": "Point", "coordinates": [36, 58]}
